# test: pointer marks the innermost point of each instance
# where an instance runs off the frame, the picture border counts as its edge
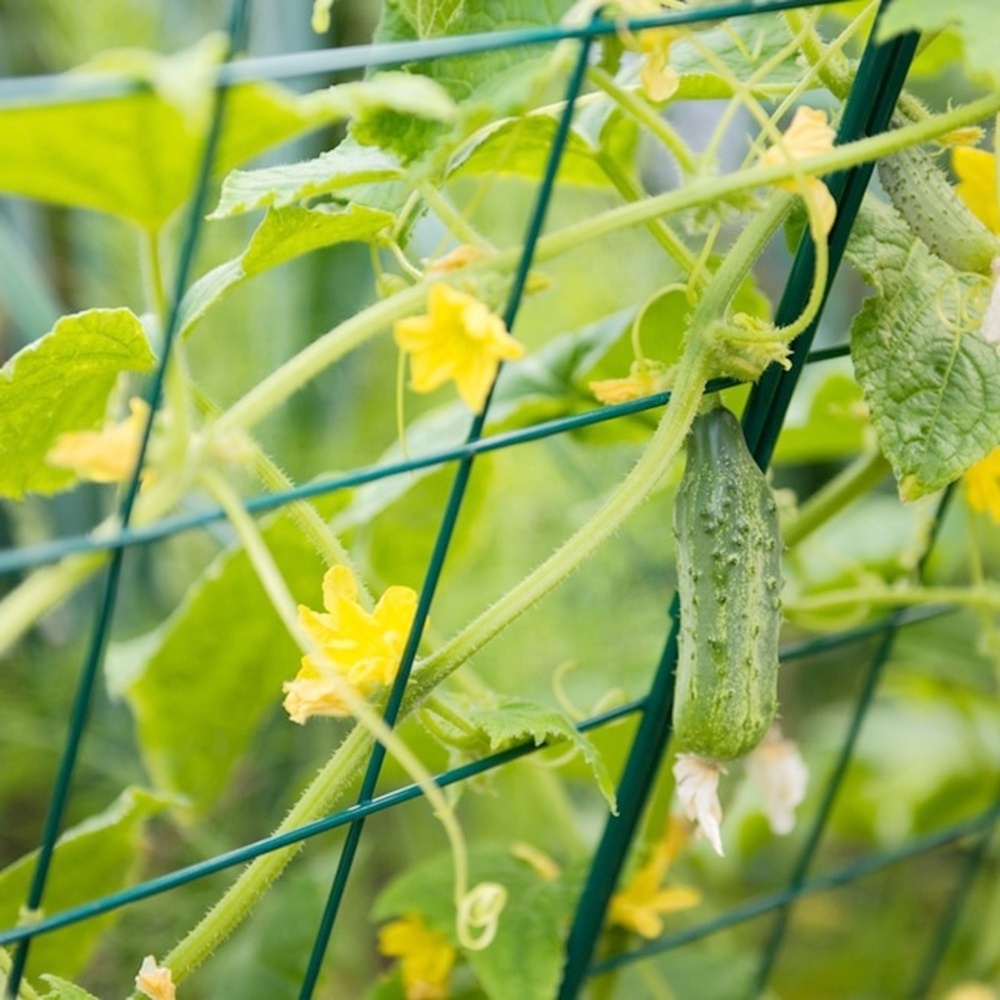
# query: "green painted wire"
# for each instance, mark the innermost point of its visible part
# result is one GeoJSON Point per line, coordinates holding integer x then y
{"type": "Point", "coordinates": [240, 855]}
{"type": "Point", "coordinates": [15, 560]}
{"type": "Point", "coordinates": [106, 607]}
{"type": "Point", "coordinates": [874, 94]}
{"type": "Point", "coordinates": [446, 531]}
{"type": "Point", "coordinates": [948, 924]}
{"type": "Point", "coordinates": [71, 88]}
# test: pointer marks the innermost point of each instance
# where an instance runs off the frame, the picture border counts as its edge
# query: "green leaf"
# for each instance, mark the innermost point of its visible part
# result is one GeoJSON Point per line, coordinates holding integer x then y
{"type": "Point", "coordinates": [64, 990]}
{"type": "Point", "coordinates": [522, 148]}
{"type": "Point", "coordinates": [137, 155]}
{"type": "Point", "coordinates": [743, 44]}
{"type": "Point", "coordinates": [61, 383]}
{"type": "Point", "coordinates": [216, 668]}
{"type": "Point", "coordinates": [833, 426]}
{"type": "Point", "coordinates": [509, 721]}
{"type": "Point", "coordinates": [526, 957]}
{"type": "Point", "coordinates": [541, 386]}
{"type": "Point", "coordinates": [933, 391]}
{"type": "Point", "coordinates": [487, 86]}
{"type": "Point", "coordinates": [346, 166]}
{"type": "Point", "coordinates": [285, 233]}
{"type": "Point", "coordinates": [92, 859]}
{"type": "Point", "coordinates": [975, 22]}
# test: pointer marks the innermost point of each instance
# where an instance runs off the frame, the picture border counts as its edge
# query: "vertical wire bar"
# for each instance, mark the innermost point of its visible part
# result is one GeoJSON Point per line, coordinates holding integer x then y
{"type": "Point", "coordinates": [839, 772]}
{"type": "Point", "coordinates": [763, 418]}
{"type": "Point", "coordinates": [105, 610]}
{"type": "Point", "coordinates": [924, 979]}
{"type": "Point", "coordinates": [443, 540]}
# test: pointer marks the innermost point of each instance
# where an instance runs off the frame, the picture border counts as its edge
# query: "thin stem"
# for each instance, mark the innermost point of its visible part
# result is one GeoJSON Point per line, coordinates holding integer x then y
{"type": "Point", "coordinates": [646, 115]}
{"type": "Point", "coordinates": [871, 596]}
{"type": "Point", "coordinates": [269, 394]}
{"type": "Point", "coordinates": [452, 219]}
{"type": "Point", "coordinates": [283, 602]}
{"type": "Point", "coordinates": [858, 479]}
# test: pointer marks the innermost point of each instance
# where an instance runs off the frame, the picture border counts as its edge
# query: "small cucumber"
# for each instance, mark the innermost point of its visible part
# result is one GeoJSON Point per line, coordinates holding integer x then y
{"type": "Point", "coordinates": [729, 582]}
{"type": "Point", "coordinates": [921, 194]}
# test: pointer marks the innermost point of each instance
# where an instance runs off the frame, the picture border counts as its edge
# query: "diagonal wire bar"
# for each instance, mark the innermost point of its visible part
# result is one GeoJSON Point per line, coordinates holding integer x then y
{"type": "Point", "coordinates": [14, 560]}
{"type": "Point", "coordinates": [867, 110]}
{"type": "Point", "coordinates": [64, 87]}
{"type": "Point", "coordinates": [822, 883]}
{"type": "Point", "coordinates": [80, 712]}
{"type": "Point", "coordinates": [948, 923]}
{"type": "Point", "coordinates": [445, 533]}
{"type": "Point", "coordinates": [388, 800]}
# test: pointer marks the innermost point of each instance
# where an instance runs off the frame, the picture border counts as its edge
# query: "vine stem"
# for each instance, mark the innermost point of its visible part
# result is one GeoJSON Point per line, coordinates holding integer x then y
{"type": "Point", "coordinates": [861, 476]}
{"type": "Point", "coordinates": [270, 393]}
{"type": "Point", "coordinates": [332, 781]}
{"type": "Point", "coordinates": [983, 596]}
{"type": "Point", "coordinates": [230, 909]}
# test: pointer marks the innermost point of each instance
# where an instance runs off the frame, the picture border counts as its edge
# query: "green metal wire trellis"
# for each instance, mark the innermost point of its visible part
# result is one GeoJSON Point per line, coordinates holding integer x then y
{"type": "Point", "coordinates": [882, 71]}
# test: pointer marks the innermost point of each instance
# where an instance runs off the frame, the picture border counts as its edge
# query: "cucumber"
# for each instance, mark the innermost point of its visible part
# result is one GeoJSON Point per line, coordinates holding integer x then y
{"type": "Point", "coordinates": [921, 193]}
{"type": "Point", "coordinates": [729, 583]}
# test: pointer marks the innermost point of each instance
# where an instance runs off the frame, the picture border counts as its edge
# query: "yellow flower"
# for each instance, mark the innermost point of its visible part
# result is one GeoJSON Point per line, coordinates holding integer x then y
{"type": "Point", "coordinates": [977, 184]}
{"type": "Point", "coordinates": [105, 456]}
{"type": "Point", "coordinates": [646, 378]}
{"type": "Point", "coordinates": [426, 955]}
{"type": "Point", "coordinates": [155, 981]}
{"type": "Point", "coordinates": [982, 486]}
{"type": "Point", "coordinates": [808, 135]}
{"type": "Point", "coordinates": [458, 339]}
{"type": "Point", "coordinates": [640, 906]}
{"type": "Point", "coordinates": [360, 647]}
{"type": "Point", "coordinates": [659, 80]}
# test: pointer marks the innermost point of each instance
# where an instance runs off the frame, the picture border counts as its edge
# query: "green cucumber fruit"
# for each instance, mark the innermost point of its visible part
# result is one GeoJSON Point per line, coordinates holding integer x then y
{"type": "Point", "coordinates": [921, 193]}
{"type": "Point", "coordinates": [729, 582]}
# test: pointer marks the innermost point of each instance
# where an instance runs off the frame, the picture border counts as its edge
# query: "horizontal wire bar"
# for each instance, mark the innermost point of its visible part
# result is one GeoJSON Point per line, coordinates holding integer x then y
{"type": "Point", "coordinates": [78, 86]}
{"type": "Point", "coordinates": [406, 793]}
{"type": "Point", "coordinates": [14, 560]}
{"type": "Point", "coordinates": [821, 883]}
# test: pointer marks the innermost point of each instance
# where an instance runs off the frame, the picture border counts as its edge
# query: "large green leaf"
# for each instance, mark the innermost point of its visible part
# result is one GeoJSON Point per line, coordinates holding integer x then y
{"type": "Point", "coordinates": [487, 85]}
{"type": "Point", "coordinates": [525, 959]}
{"type": "Point", "coordinates": [93, 859]}
{"type": "Point", "coordinates": [284, 234]}
{"type": "Point", "coordinates": [975, 22]}
{"type": "Point", "coordinates": [136, 155]}
{"type": "Point", "coordinates": [61, 383]}
{"type": "Point", "coordinates": [522, 147]}
{"type": "Point", "coordinates": [276, 187]}
{"type": "Point", "coordinates": [200, 685]}
{"type": "Point", "coordinates": [933, 391]}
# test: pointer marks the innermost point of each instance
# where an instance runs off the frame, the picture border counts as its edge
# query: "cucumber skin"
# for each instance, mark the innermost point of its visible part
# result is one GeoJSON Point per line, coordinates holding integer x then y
{"type": "Point", "coordinates": [729, 582]}
{"type": "Point", "coordinates": [920, 192]}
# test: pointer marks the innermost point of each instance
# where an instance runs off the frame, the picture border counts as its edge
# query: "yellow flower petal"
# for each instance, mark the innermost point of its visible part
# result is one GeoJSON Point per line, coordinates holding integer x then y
{"type": "Point", "coordinates": [659, 80]}
{"type": "Point", "coordinates": [808, 135]}
{"type": "Point", "coordinates": [105, 456]}
{"type": "Point", "coordinates": [155, 981]}
{"type": "Point", "coordinates": [982, 486]}
{"type": "Point", "coordinates": [641, 905]}
{"type": "Point", "coordinates": [358, 647]}
{"type": "Point", "coordinates": [977, 175]}
{"type": "Point", "coordinates": [426, 956]}
{"type": "Point", "coordinates": [645, 379]}
{"type": "Point", "coordinates": [460, 340]}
